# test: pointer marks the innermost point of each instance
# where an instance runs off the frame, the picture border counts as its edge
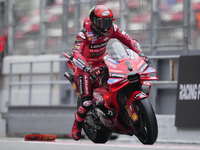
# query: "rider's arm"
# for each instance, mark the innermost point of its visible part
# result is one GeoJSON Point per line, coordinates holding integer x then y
{"type": "Point", "coordinates": [79, 45]}
{"type": "Point", "coordinates": [123, 37]}
{"type": "Point", "coordinates": [131, 43]}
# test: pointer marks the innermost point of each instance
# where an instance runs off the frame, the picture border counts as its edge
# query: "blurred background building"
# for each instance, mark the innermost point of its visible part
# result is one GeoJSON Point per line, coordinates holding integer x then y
{"type": "Point", "coordinates": [38, 31]}
{"type": "Point", "coordinates": [38, 26]}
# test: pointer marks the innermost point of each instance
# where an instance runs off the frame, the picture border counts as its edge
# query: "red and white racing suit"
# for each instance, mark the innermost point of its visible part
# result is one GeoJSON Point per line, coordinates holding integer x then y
{"type": "Point", "coordinates": [89, 49]}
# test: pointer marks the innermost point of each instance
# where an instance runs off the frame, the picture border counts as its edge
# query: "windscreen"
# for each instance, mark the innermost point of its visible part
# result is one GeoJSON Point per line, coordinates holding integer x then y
{"type": "Point", "coordinates": [119, 51]}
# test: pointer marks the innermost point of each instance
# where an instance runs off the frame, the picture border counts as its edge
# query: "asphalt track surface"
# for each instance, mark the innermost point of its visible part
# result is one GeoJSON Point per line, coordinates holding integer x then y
{"type": "Point", "coordinates": [69, 144]}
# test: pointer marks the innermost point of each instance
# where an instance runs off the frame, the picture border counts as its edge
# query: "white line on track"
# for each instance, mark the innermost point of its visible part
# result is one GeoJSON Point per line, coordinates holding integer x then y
{"type": "Point", "coordinates": [111, 145]}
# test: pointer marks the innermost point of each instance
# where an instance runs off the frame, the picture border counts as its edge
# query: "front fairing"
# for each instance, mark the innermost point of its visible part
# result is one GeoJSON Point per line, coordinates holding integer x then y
{"type": "Point", "coordinates": [122, 66]}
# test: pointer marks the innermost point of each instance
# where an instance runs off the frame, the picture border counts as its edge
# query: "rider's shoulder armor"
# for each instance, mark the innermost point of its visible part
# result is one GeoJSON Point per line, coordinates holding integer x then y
{"type": "Point", "coordinates": [82, 33]}
{"type": "Point", "coordinates": [115, 27]}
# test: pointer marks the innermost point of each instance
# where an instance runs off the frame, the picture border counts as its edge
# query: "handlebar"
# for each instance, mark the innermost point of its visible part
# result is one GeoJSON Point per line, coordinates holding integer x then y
{"type": "Point", "coordinates": [67, 56]}
{"type": "Point", "coordinates": [93, 77]}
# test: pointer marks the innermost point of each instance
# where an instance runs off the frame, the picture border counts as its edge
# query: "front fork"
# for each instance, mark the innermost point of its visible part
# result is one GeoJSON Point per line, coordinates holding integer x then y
{"type": "Point", "coordinates": [134, 96]}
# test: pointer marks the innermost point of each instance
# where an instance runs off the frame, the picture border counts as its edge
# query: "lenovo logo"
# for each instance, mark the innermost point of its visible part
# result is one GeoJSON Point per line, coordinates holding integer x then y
{"type": "Point", "coordinates": [117, 75]}
{"type": "Point", "coordinates": [98, 46]}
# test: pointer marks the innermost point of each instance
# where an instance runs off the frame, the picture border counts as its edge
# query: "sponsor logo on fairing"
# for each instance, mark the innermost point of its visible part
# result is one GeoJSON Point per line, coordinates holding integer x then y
{"type": "Point", "coordinates": [111, 64]}
{"type": "Point", "coordinates": [144, 66]}
{"type": "Point", "coordinates": [113, 61]}
{"type": "Point", "coordinates": [117, 75]}
{"type": "Point", "coordinates": [140, 64]}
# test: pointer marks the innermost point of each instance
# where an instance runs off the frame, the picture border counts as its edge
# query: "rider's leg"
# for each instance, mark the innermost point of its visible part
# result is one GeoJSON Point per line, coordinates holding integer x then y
{"type": "Point", "coordinates": [80, 116]}
{"type": "Point", "coordinates": [85, 88]}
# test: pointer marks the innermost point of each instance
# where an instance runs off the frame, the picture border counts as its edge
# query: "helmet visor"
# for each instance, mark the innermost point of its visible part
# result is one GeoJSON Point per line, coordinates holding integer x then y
{"type": "Point", "coordinates": [104, 23]}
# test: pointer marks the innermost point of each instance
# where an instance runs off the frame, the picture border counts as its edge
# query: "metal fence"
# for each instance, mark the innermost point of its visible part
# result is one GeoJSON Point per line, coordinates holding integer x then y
{"type": "Point", "coordinates": [29, 82]}
{"type": "Point", "coordinates": [50, 26]}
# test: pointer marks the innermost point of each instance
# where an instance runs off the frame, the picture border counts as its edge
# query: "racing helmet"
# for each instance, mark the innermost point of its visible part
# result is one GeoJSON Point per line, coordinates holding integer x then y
{"type": "Point", "coordinates": [101, 18]}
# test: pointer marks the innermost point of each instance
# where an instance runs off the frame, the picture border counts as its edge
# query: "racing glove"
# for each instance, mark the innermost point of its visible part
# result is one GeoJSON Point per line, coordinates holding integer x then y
{"type": "Point", "coordinates": [145, 58]}
{"type": "Point", "coordinates": [91, 71]}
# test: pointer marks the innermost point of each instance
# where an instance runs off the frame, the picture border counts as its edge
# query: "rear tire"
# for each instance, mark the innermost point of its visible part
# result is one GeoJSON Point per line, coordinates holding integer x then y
{"type": "Point", "coordinates": [146, 126]}
{"type": "Point", "coordinates": [96, 136]}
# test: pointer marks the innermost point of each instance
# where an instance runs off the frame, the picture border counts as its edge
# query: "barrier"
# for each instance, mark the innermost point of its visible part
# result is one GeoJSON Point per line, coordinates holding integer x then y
{"type": "Point", "coordinates": [30, 83]}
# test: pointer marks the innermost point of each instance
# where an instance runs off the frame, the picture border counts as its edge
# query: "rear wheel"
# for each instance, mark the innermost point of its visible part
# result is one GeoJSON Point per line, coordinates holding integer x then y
{"type": "Point", "coordinates": [146, 126]}
{"type": "Point", "coordinates": [97, 136]}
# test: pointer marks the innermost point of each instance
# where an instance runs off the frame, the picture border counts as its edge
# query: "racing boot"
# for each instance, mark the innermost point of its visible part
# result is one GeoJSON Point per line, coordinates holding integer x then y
{"type": "Point", "coordinates": [80, 116]}
{"type": "Point", "coordinates": [76, 130]}
{"type": "Point", "coordinates": [78, 123]}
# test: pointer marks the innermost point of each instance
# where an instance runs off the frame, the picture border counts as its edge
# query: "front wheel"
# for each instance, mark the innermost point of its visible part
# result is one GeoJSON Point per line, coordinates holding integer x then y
{"type": "Point", "coordinates": [146, 126]}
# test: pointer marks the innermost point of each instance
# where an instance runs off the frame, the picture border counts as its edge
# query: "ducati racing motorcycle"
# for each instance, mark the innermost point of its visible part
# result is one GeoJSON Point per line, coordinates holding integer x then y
{"type": "Point", "coordinates": [120, 103]}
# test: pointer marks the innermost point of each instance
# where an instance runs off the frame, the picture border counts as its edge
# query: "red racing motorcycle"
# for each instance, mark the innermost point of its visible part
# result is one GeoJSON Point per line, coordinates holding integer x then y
{"type": "Point", "coordinates": [120, 103]}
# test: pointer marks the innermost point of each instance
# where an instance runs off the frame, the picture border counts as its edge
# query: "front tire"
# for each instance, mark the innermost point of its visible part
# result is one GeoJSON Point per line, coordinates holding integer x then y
{"type": "Point", "coordinates": [146, 126]}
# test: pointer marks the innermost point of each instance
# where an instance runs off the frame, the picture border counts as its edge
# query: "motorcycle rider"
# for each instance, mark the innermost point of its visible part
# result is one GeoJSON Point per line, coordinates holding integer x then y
{"type": "Point", "coordinates": [89, 50]}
